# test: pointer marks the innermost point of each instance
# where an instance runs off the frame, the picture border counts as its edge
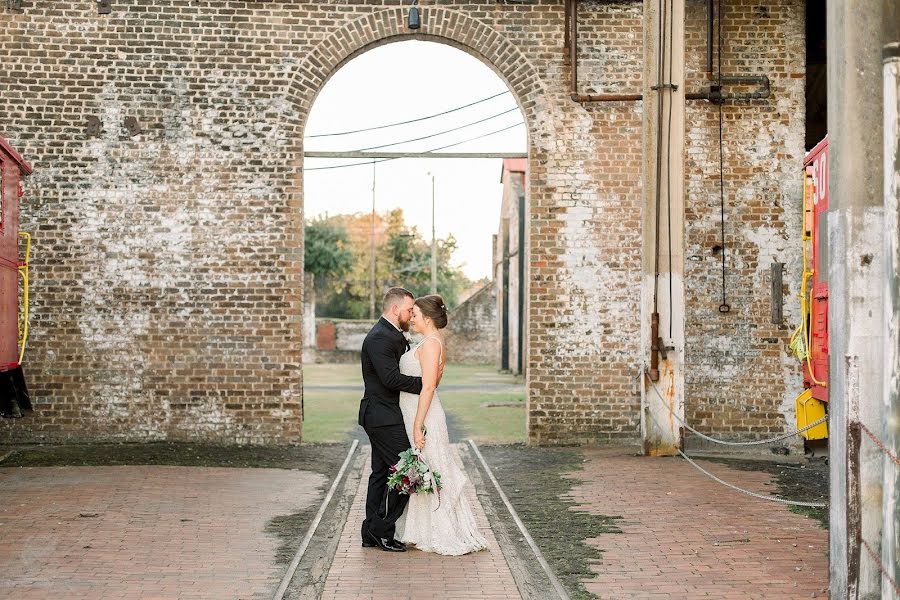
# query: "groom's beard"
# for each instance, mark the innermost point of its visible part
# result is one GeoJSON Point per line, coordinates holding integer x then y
{"type": "Point", "coordinates": [404, 325]}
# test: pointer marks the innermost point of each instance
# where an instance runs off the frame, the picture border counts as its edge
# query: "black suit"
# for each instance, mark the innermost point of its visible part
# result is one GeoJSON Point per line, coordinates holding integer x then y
{"type": "Point", "coordinates": [380, 416]}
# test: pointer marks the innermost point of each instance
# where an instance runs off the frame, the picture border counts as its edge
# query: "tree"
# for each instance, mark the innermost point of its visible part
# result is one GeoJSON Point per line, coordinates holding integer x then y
{"type": "Point", "coordinates": [327, 253]}
{"type": "Point", "coordinates": [402, 257]}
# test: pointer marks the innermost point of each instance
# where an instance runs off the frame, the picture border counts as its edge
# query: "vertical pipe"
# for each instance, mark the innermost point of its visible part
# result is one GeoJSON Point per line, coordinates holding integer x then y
{"type": "Point", "coordinates": [433, 244]}
{"type": "Point", "coordinates": [372, 311]}
{"type": "Point", "coordinates": [504, 313]}
{"type": "Point", "coordinates": [520, 366]}
{"type": "Point", "coordinates": [709, 37]}
{"type": "Point", "coordinates": [573, 45]}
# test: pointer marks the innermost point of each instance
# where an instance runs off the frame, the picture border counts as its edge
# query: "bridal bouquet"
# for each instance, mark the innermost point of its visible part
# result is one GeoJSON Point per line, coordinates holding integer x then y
{"type": "Point", "coordinates": [411, 475]}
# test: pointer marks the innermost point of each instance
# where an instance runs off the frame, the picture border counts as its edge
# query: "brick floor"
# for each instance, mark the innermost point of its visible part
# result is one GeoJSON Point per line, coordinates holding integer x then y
{"type": "Point", "coordinates": [145, 532]}
{"type": "Point", "coordinates": [359, 572]}
{"type": "Point", "coordinates": [685, 536]}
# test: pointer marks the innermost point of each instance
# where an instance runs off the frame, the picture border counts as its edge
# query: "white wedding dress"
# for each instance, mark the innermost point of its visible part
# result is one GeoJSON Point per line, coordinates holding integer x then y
{"type": "Point", "coordinates": [442, 525]}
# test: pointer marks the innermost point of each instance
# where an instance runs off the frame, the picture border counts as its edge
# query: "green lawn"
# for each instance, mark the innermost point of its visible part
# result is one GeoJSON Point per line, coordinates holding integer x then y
{"type": "Point", "coordinates": [330, 414]}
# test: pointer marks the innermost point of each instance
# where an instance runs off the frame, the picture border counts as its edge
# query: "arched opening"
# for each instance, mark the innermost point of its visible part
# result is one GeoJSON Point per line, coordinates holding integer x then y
{"type": "Point", "coordinates": [384, 206]}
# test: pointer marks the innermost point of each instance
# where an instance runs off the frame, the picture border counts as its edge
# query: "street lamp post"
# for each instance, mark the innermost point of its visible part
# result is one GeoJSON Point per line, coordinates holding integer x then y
{"type": "Point", "coordinates": [433, 243]}
{"type": "Point", "coordinates": [372, 256]}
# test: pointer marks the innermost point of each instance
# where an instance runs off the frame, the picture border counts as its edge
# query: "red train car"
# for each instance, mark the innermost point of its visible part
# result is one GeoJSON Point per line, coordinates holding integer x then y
{"type": "Point", "coordinates": [14, 400]}
{"type": "Point", "coordinates": [810, 341]}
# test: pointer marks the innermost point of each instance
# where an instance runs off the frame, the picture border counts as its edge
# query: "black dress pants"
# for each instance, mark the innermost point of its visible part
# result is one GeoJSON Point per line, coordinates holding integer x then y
{"type": "Point", "coordinates": [383, 508]}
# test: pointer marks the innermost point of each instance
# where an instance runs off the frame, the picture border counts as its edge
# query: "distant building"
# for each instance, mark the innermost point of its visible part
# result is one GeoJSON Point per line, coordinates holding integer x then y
{"type": "Point", "coordinates": [509, 267]}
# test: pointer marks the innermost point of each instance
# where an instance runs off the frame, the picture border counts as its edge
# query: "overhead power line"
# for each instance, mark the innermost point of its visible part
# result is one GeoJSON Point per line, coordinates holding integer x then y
{"type": "Point", "coordinates": [440, 114]}
{"type": "Point", "coordinates": [425, 137]}
{"type": "Point", "coordinates": [369, 162]}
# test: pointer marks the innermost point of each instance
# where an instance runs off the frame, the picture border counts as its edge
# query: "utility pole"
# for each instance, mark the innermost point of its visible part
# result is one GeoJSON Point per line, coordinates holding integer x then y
{"type": "Point", "coordinates": [890, 537]}
{"type": "Point", "coordinates": [856, 302]}
{"type": "Point", "coordinates": [433, 243]}
{"type": "Point", "coordinates": [372, 258]}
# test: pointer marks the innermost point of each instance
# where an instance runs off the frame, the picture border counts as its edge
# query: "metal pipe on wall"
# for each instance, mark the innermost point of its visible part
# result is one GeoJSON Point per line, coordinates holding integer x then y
{"type": "Point", "coordinates": [713, 95]}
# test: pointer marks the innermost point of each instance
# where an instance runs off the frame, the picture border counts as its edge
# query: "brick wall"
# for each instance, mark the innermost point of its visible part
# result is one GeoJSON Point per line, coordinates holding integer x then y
{"type": "Point", "coordinates": [740, 379]}
{"type": "Point", "coordinates": [168, 283]}
{"type": "Point", "coordinates": [471, 332]}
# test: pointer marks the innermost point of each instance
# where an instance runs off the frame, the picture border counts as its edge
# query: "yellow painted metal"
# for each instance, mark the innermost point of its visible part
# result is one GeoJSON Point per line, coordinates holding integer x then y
{"type": "Point", "coordinates": [801, 341]}
{"type": "Point", "coordinates": [23, 273]}
{"type": "Point", "coordinates": [810, 410]}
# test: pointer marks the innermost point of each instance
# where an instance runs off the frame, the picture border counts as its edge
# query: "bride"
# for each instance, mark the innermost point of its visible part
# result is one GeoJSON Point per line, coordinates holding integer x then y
{"type": "Point", "coordinates": [443, 524]}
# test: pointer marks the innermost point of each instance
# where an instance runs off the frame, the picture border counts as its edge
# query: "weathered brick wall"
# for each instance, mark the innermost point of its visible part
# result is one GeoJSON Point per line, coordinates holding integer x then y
{"type": "Point", "coordinates": [168, 283]}
{"type": "Point", "coordinates": [471, 332]}
{"type": "Point", "coordinates": [741, 380]}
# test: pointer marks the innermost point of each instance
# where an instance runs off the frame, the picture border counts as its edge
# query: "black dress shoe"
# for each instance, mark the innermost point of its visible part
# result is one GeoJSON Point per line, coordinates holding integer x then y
{"type": "Point", "coordinates": [385, 544]}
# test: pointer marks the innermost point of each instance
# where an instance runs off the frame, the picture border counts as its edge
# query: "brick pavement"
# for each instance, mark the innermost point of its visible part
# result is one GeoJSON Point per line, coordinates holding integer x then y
{"type": "Point", "coordinates": [145, 531]}
{"type": "Point", "coordinates": [358, 572]}
{"type": "Point", "coordinates": [685, 536]}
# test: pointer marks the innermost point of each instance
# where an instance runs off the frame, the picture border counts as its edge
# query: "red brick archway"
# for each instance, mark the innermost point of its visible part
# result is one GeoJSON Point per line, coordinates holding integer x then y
{"type": "Point", "coordinates": [439, 25]}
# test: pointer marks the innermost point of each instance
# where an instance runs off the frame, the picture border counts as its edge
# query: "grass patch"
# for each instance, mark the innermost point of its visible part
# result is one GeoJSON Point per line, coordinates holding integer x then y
{"type": "Point", "coordinates": [330, 415]}
{"type": "Point", "coordinates": [317, 458]}
{"type": "Point", "coordinates": [496, 425]}
{"type": "Point", "coordinates": [806, 482]}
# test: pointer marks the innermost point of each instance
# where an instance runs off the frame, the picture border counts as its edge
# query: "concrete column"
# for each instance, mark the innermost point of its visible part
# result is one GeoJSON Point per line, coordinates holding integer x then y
{"type": "Point", "coordinates": [890, 538]}
{"type": "Point", "coordinates": [853, 226]}
{"type": "Point", "coordinates": [663, 131]}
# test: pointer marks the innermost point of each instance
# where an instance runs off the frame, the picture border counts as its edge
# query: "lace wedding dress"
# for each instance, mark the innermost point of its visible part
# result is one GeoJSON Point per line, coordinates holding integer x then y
{"type": "Point", "coordinates": [446, 525]}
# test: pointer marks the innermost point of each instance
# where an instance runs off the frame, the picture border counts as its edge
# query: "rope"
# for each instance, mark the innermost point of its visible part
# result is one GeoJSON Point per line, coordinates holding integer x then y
{"type": "Point", "coordinates": [878, 562]}
{"type": "Point", "coordinates": [742, 490]}
{"type": "Point", "coordinates": [748, 492]}
{"type": "Point", "coordinates": [880, 445]}
{"type": "Point", "coordinates": [726, 442]}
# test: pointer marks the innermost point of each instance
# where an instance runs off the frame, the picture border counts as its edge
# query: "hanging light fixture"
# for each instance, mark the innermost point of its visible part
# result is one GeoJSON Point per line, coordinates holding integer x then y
{"type": "Point", "coordinates": [413, 21]}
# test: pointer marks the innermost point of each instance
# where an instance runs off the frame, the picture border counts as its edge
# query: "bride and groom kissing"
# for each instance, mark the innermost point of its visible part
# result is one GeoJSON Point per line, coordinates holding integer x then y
{"type": "Point", "coordinates": [401, 409]}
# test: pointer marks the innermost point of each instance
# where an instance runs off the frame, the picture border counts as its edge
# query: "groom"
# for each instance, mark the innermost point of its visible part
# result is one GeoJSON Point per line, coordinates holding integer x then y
{"type": "Point", "coordinates": [380, 416]}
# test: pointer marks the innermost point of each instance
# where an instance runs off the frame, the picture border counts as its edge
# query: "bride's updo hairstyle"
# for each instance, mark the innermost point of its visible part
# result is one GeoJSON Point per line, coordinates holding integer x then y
{"type": "Point", "coordinates": [434, 308]}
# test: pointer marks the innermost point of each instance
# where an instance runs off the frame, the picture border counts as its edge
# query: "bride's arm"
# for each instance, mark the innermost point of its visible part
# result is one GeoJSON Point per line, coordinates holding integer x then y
{"type": "Point", "coordinates": [429, 358]}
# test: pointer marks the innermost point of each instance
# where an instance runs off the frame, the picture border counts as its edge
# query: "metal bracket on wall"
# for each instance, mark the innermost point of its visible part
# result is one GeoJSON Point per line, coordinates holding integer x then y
{"type": "Point", "coordinates": [104, 7]}
{"type": "Point", "coordinates": [132, 125]}
{"type": "Point", "coordinates": [777, 293]}
{"type": "Point", "coordinates": [14, 5]}
{"type": "Point", "coordinates": [93, 126]}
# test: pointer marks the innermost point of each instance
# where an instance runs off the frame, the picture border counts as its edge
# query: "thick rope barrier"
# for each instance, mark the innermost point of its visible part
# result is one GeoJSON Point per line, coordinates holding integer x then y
{"type": "Point", "coordinates": [725, 483]}
{"type": "Point", "coordinates": [748, 492]}
{"type": "Point", "coordinates": [728, 443]}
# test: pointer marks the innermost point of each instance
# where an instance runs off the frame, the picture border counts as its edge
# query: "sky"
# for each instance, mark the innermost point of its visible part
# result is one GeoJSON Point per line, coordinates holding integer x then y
{"type": "Point", "coordinates": [400, 82]}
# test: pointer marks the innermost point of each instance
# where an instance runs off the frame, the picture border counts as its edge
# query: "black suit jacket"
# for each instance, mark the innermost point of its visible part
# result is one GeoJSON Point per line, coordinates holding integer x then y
{"type": "Point", "coordinates": [380, 356]}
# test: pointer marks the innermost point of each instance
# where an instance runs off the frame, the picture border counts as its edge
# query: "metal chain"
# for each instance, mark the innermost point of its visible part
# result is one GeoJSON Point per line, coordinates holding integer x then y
{"type": "Point", "coordinates": [727, 443]}
{"type": "Point", "coordinates": [880, 444]}
{"type": "Point", "coordinates": [878, 562]}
